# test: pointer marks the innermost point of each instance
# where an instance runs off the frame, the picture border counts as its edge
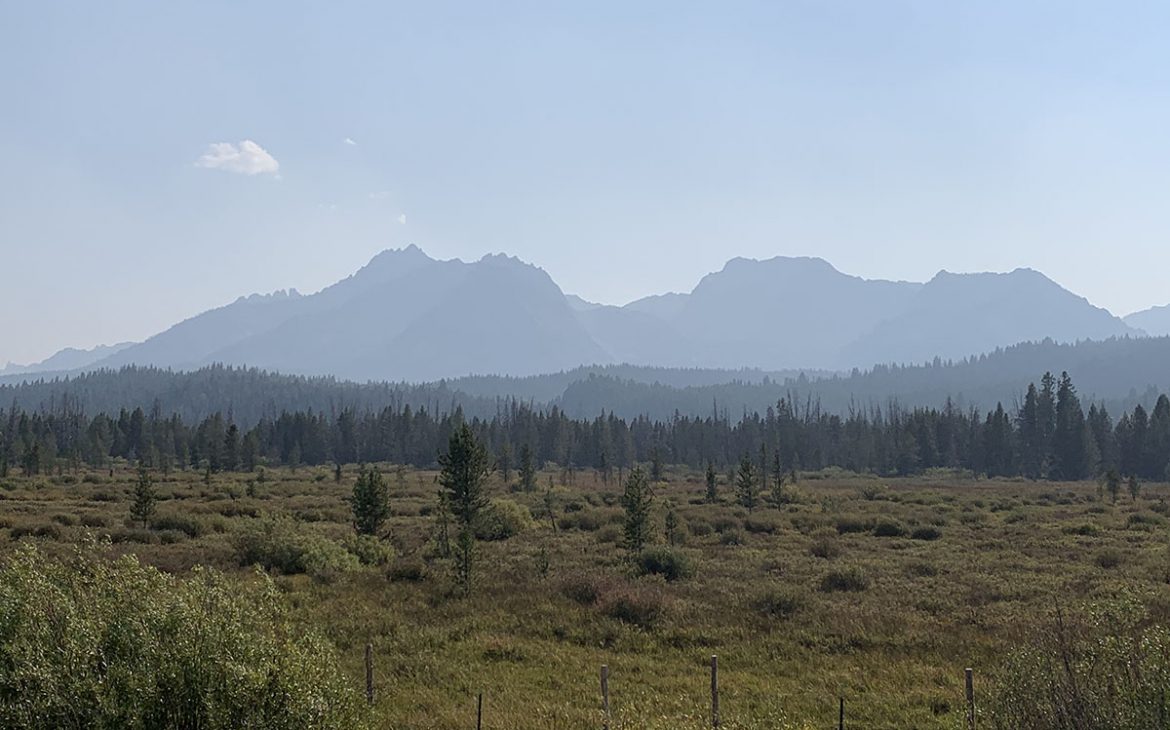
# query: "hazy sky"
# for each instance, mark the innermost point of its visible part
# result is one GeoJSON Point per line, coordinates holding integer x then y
{"type": "Point", "coordinates": [158, 159]}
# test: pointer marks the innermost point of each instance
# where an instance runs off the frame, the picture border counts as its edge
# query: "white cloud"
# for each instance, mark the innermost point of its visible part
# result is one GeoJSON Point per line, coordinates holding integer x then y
{"type": "Point", "coordinates": [349, 141]}
{"type": "Point", "coordinates": [245, 158]}
{"type": "Point", "coordinates": [402, 218]}
{"type": "Point", "coordinates": [380, 195]}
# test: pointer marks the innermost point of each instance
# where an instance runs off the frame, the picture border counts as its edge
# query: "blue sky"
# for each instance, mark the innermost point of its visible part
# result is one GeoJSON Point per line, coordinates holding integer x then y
{"type": "Point", "coordinates": [627, 148]}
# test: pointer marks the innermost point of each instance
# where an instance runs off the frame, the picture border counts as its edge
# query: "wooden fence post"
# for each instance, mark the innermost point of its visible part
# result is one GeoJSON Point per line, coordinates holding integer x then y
{"type": "Point", "coordinates": [479, 712]}
{"type": "Point", "coordinates": [841, 715]}
{"type": "Point", "coordinates": [970, 682]}
{"type": "Point", "coordinates": [714, 691]}
{"type": "Point", "coordinates": [605, 695]}
{"type": "Point", "coordinates": [369, 674]}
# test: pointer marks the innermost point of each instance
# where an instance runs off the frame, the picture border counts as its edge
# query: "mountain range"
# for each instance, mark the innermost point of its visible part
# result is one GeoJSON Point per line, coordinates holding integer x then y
{"type": "Point", "coordinates": [408, 317]}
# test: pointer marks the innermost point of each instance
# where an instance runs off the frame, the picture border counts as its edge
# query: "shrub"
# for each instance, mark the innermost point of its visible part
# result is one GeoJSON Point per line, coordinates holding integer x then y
{"type": "Point", "coordinates": [762, 523]}
{"type": "Point", "coordinates": [889, 528]}
{"type": "Point", "coordinates": [1086, 530]}
{"type": "Point", "coordinates": [282, 545]}
{"type": "Point", "coordinates": [409, 570]}
{"type": "Point", "coordinates": [825, 545]}
{"type": "Point", "coordinates": [925, 532]}
{"type": "Point", "coordinates": [610, 534]}
{"type": "Point", "coordinates": [851, 524]}
{"type": "Point", "coordinates": [1106, 669]}
{"type": "Point", "coordinates": [369, 550]}
{"type": "Point", "coordinates": [640, 605]}
{"type": "Point", "coordinates": [582, 588]}
{"type": "Point", "coordinates": [778, 603]}
{"type": "Point", "coordinates": [204, 651]}
{"type": "Point", "coordinates": [731, 537]}
{"type": "Point", "coordinates": [189, 525]}
{"type": "Point", "coordinates": [1108, 559]}
{"type": "Point", "coordinates": [699, 526]}
{"type": "Point", "coordinates": [849, 579]}
{"type": "Point", "coordinates": [503, 520]}
{"type": "Point", "coordinates": [670, 564]}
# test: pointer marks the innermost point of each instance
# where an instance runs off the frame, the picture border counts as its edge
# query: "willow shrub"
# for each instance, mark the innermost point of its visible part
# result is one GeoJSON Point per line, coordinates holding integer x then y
{"type": "Point", "coordinates": [92, 643]}
{"type": "Point", "coordinates": [1106, 670]}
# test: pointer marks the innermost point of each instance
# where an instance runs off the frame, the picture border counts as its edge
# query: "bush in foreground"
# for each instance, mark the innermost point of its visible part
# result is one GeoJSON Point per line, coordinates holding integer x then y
{"type": "Point", "coordinates": [1106, 669]}
{"type": "Point", "coordinates": [91, 643]}
{"type": "Point", "coordinates": [670, 564]}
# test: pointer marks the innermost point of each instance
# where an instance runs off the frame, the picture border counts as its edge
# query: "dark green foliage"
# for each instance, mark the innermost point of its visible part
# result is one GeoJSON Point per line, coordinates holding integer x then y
{"type": "Point", "coordinates": [1108, 669]}
{"type": "Point", "coordinates": [848, 579]}
{"type": "Point", "coordinates": [136, 648]}
{"type": "Point", "coordinates": [667, 562]}
{"type": "Point", "coordinates": [889, 528]}
{"type": "Point", "coordinates": [145, 498]}
{"type": "Point", "coordinates": [637, 501]}
{"type": "Point", "coordinates": [925, 532]}
{"type": "Point", "coordinates": [527, 470]}
{"type": "Point", "coordinates": [370, 502]}
{"type": "Point", "coordinates": [746, 484]}
{"type": "Point", "coordinates": [712, 493]}
{"type": "Point", "coordinates": [463, 475]}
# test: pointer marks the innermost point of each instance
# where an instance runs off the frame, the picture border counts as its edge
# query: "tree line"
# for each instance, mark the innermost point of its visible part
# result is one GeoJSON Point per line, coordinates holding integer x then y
{"type": "Point", "coordinates": [1050, 435]}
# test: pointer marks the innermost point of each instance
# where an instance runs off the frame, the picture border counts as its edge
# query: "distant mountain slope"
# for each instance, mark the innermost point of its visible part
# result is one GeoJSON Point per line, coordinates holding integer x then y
{"type": "Point", "coordinates": [956, 315]}
{"type": "Point", "coordinates": [406, 316]}
{"type": "Point", "coordinates": [70, 358]}
{"type": "Point", "coordinates": [1154, 321]}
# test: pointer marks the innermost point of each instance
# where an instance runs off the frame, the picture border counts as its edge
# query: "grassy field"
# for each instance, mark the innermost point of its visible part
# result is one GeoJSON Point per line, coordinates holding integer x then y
{"type": "Point", "coordinates": [879, 591]}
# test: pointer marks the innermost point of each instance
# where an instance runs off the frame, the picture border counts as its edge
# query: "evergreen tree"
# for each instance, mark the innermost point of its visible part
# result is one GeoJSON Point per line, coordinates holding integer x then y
{"type": "Point", "coordinates": [504, 463]}
{"type": "Point", "coordinates": [637, 500]}
{"type": "Point", "coordinates": [712, 495]}
{"type": "Point", "coordinates": [670, 524]}
{"type": "Point", "coordinates": [370, 502]}
{"type": "Point", "coordinates": [145, 498]}
{"type": "Point", "coordinates": [1069, 436]}
{"type": "Point", "coordinates": [1135, 488]}
{"type": "Point", "coordinates": [463, 473]}
{"type": "Point", "coordinates": [745, 483]}
{"type": "Point", "coordinates": [527, 470]}
{"type": "Point", "coordinates": [655, 466]}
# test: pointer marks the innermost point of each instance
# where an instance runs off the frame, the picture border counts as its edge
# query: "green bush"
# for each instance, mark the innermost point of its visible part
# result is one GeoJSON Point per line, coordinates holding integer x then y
{"type": "Point", "coordinates": [503, 520]}
{"type": "Point", "coordinates": [637, 605]}
{"type": "Point", "coordinates": [189, 525]}
{"type": "Point", "coordinates": [889, 528]}
{"type": "Point", "coordinates": [1107, 668]}
{"type": "Point", "coordinates": [284, 546]}
{"type": "Point", "coordinates": [779, 603]}
{"type": "Point", "coordinates": [851, 524]}
{"type": "Point", "coordinates": [925, 532]}
{"type": "Point", "coordinates": [132, 647]}
{"type": "Point", "coordinates": [369, 550]}
{"type": "Point", "coordinates": [849, 579]}
{"type": "Point", "coordinates": [670, 564]}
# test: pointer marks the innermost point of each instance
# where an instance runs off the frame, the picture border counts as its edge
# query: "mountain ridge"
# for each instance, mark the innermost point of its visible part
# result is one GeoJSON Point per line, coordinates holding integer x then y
{"type": "Point", "coordinates": [407, 316]}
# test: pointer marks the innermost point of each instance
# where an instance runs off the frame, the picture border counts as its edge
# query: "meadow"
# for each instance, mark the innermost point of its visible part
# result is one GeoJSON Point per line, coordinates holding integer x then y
{"type": "Point", "coordinates": [878, 591]}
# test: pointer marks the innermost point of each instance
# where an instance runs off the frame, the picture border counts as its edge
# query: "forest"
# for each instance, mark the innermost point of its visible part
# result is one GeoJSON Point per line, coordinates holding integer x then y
{"type": "Point", "coordinates": [1050, 435]}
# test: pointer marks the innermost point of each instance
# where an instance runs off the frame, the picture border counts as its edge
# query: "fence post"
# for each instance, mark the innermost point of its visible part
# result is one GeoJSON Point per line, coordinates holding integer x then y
{"type": "Point", "coordinates": [369, 674]}
{"type": "Point", "coordinates": [479, 712]}
{"type": "Point", "coordinates": [970, 682]}
{"type": "Point", "coordinates": [841, 715]}
{"type": "Point", "coordinates": [605, 695]}
{"type": "Point", "coordinates": [714, 691]}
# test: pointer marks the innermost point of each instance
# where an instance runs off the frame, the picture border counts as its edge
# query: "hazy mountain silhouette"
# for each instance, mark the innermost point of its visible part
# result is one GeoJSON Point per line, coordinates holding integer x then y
{"type": "Point", "coordinates": [1154, 321]}
{"type": "Point", "coordinates": [71, 358]}
{"type": "Point", "coordinates": [406, 316]}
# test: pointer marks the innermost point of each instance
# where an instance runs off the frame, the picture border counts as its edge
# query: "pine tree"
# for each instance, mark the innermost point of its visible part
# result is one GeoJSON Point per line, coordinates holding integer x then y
{"type": "Point", "coordinates": [1135, 488]}
{"type": "Point", "coordinates": [655, 466]}
{"type": "Point", "coordinates": [370, 502]}
{"type": "Point", "coordinates": [145, 498]}
{"type": "Point", "coordinates": [637, 500]}
{"type": "Point", "coordinates": [712, 484]}
{"type": "Point", "coordinates": [1069, 436]}
{"type": "Point", "coordinates": [527, 470]}
{"type": "Point", "coordinates": [745, 483]}
{"type": "Point", "coordinates": [671, 525]}
{"type": "Point", "coordinates": [463, 473]}
{"type": "Point", "coordinates": [504, 463]}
